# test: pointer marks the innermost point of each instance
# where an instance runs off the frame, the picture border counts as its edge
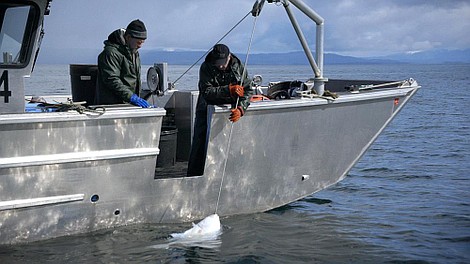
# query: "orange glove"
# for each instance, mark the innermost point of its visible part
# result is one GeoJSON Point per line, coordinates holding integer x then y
{"type": "Point", "coordinates": [236, 90]}
{"type": "Point", "coordinates": [236, 114]}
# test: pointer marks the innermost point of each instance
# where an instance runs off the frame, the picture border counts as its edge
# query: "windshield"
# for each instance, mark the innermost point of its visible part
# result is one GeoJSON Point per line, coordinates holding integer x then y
{"type": "Point", "coordinates": [14, 36]}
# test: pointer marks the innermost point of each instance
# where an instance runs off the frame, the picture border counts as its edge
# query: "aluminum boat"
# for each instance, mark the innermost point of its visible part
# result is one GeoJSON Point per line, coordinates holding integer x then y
{"type": "Point", "coordinates": [68, 168]}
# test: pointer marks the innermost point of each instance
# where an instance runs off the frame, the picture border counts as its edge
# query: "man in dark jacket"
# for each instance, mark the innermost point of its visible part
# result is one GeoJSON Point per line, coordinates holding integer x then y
{"type": "Point", "coordinates": [222, 80]}
{"type": "Point", "coordinates": [119, 67]}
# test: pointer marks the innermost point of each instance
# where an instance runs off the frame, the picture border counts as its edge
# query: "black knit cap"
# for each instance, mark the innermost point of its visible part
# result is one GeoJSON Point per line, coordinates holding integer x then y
{"type": "Point", "coordinates": [136, 29]}
{"type": "Point", "coordinates": [219, 54]}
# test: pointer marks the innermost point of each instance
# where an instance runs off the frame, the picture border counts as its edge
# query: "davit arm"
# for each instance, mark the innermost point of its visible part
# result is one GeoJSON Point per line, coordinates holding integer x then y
{"type": "Point", "coordinates": [317, 67]}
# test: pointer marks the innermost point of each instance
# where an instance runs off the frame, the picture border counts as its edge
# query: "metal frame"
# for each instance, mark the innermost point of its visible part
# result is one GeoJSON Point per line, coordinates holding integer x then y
{"type": "Point", "coordinates": [317, 67]}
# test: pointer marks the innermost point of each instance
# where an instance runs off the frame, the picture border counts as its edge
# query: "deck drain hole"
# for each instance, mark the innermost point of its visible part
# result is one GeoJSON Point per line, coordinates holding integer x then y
{"type": "Point", "coordinates": [94, 198]}
{"type": "Point", "coordinates": [117, 212]}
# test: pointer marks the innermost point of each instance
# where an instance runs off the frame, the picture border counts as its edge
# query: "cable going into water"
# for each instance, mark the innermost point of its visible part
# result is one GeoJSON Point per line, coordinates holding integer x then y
{"type": "Point", "coordinates": [231, 125]}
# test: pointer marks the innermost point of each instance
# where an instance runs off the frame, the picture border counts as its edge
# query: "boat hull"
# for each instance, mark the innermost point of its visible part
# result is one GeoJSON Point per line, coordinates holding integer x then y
{"type": "Point", "coordinates": [78, 176]}
{"type": "Point", "coordinates": [281, 151]}
{"type": "Point", "coordinates": [71, 172]}
{"type": "Point", "coordinates": [67, 173]}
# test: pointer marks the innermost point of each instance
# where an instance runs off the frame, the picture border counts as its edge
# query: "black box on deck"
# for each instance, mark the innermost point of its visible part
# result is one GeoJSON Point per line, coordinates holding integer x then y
{"type": "Point", "coordinates": [83, 78]}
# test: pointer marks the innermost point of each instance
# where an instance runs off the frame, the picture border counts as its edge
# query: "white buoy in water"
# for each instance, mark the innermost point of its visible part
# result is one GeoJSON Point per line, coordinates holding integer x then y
{"type": "Point", "coordinates": [209, 226]}
{"type": "Point", "coordinates": [203, 234]}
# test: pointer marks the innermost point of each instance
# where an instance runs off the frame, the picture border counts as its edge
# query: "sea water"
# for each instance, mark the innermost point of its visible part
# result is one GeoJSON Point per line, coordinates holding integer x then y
{"type": "Point", "coordinates": [406, 201]}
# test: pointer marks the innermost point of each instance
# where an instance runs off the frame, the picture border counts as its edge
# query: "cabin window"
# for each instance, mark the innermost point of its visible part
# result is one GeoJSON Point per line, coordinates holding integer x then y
{"type": "Point", "coordinates": [15, 37]}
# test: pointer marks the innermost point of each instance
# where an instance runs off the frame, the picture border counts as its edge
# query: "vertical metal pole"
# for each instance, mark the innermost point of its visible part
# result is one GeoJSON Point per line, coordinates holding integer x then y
{"type": "Point", "coordinates": [319, 48]}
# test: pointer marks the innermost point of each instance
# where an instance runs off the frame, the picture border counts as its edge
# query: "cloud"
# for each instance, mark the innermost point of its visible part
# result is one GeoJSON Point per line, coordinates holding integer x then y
{"type": "Point", "coordinates": [352, 27]}
{"type": "Point", "coordinates": [377, 27]}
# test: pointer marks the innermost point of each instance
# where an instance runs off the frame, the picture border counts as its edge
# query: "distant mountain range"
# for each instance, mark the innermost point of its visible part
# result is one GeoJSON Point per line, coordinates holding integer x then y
{"type": "Point", "coordinates": [432, 57]}
{"type": "Point", "coordinates": [290, 58]}
{"type": "Point", "coordinates": [299, 58]}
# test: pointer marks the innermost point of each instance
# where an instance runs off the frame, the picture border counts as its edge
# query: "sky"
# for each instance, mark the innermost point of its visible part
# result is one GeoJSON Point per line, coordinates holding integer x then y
{"type": "Point", "coordinates": [363, 28]}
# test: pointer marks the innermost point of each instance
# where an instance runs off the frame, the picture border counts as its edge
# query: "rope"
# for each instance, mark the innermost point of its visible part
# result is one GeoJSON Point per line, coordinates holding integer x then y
{"type": "Point", "coordinates": [225, 164]}
{"type": "Point", "coordinates": [236, 104]}
{"type": "Point", "coordinates": [77, 106]}
{"type": "Point", "coordinates": [248, 52]}
{"type": "Point", "coordinates": [83, 110]}
{"type": "Point", "coordinates": [238, 23]}
{"type": "Point", "coordinates": [68, 106]}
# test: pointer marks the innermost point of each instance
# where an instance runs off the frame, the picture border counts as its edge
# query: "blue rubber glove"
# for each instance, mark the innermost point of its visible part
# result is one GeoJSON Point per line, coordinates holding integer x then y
{"type": "Point", "coordinates": [136, 100]}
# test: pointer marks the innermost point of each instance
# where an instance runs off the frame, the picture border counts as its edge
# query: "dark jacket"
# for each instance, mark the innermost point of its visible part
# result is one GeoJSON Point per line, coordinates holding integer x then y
{"type": "Point", "coordinates": [213, 84]}
{"type": "Point", "coordinates": [119, 71]}
{"type": "Point", "coordinates": [213, 89]}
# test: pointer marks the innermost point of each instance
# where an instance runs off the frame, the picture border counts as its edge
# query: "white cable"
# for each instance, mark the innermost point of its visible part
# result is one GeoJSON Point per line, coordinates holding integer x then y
{"type": "Point", "coordinates": [231, 125]}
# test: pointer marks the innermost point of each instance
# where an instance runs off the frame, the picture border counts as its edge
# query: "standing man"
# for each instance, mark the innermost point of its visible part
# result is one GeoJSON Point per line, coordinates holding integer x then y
{"type": "Point", "coordinates": [119, 67]}
{"type": "Point", "coordinates": [222, 80]}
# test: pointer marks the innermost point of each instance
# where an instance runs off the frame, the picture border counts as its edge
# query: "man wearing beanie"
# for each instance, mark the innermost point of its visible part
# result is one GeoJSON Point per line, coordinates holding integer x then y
{"type": "Point", "coordinates": [222, 80]}
{"type": "Point", "coordinates": [119, 67]}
